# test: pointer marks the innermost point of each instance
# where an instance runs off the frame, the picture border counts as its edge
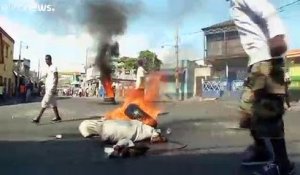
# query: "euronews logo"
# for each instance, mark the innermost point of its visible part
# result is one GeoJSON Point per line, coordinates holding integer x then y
{"type": "Point", "coordinates": [32, 7]}
{"type": "Point", "coordinates": [43, 8]}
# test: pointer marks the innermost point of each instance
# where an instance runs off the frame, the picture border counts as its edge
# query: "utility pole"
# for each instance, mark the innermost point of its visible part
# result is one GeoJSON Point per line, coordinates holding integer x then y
{"type": "Point", "coordinates": [39, 66]}
{"type": "Point", "coordinates": [86, 58]}
{"type": "Point", "coordinates": [177, 63]}
{"type": "Point", "coordinates": [18, 69]}
{"type": "Point", "coordinates": [19, 65]}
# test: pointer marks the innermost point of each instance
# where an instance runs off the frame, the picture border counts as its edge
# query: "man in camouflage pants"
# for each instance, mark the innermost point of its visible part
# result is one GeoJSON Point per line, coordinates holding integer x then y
{"type": "Point", "coordinates": [262, 36]}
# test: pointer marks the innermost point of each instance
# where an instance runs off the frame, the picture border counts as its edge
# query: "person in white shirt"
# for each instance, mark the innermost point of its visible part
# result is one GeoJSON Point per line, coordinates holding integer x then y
{"type": "Point", "coordinates": [262, 35]}
{"type": "Point", "coordinates": [49, 99]}
{"type": "Point", "coordinates": [140, 76]}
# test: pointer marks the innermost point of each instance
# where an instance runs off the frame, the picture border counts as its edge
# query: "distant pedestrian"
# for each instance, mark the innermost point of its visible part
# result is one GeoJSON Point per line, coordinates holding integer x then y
{"type": "Point", "coordinates": [80, 92]}
{"type": "Point", "coordinates": [29, 90]}
{"type": "Point", "coordinates": [140, 77]}
{"type": "Point", "coordinates": [22, 92]}
{"type": "Point", "coordinates": [1, 92]}
{"type": "Point", "coordinates": [87, 92]}
{"type": "Point", "coordinates": [50, 91]}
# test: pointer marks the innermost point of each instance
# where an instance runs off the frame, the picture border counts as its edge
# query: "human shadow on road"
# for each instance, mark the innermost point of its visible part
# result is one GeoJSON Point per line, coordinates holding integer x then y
{"type": "Point", "coordinates": [81, 156]}
{"type": "Point", "coordinates": [15, 101]}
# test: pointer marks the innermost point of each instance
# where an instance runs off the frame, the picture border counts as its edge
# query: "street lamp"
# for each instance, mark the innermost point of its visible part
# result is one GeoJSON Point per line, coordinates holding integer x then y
{"type": "Point", "coordinates": [86, 58]}
{"type": "Point", "coordinates": [19, 64]}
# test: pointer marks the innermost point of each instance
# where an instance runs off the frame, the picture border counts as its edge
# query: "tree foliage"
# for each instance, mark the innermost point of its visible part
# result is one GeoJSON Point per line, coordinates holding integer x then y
{"type": "Point", "coordinates": [152, 63]}
{"type": "Point", "coordinates": [128, 63]}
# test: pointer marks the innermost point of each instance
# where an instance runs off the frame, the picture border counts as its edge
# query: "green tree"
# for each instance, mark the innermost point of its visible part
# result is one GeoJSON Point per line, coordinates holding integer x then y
{"type": "Point", "coordinates": [128, 63]}
{"type": "Point", "coordinates": [152, 62]}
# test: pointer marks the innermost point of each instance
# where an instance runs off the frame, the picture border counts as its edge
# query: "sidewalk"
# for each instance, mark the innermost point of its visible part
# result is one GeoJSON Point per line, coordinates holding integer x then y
{"type": "Point", "coordinates": [16, 100]}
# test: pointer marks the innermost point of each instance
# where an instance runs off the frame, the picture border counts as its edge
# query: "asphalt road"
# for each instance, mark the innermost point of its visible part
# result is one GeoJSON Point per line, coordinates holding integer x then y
{"type": "Point", "coordinates": [214, 145]}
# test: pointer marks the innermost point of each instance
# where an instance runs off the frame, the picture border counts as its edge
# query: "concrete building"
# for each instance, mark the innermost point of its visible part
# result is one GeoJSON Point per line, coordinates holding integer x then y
{"type": "Point", "coordinates": [223, 50]}
{"type": "Point", "coordinates": [293, 64]}
{"type": "Point", "coordinates": [69, 79]}
{"type": "Point", "coordinates": [24, 67]}
{"type": "Point", "coordinates": [7, 78]}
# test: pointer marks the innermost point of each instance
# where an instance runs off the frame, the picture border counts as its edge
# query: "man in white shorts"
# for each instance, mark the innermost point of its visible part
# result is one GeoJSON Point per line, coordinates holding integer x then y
{"type": "Point", "coordinates": [49, 99]}
{"type": "Point", "coordinates": [140, 77]}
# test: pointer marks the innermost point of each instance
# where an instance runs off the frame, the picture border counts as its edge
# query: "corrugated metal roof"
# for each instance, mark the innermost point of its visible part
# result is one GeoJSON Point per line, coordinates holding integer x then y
{"type": "Point", "coordinates": [220, 25]}
{"type": "Point", "coordinates": [293, 53]}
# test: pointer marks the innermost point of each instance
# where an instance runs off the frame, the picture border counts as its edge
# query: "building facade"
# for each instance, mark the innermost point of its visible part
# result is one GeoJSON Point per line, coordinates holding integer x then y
{"type": "Point", "coordinates": [7, 77]}
{"type": "Point", "coordinates": [293, 65]}
{"type": "Point", "coordinates": [24, 69]}
{"type": "Point", "coordinates": [223, 50]}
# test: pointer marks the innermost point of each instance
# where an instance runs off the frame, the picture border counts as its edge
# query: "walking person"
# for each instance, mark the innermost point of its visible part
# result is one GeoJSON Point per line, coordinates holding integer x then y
{"type": "Point", "coordinates": [29, 90]}
{"type": "Point", "coordinates": [262, 36]}
{"type": "Point", "coordinates": [22, 92]}
{"type": "Point", "coordinates": [1, 92]}
{"type": "Point", "coordinates": [140, 77]}
{"type": "Point", "coordinates": [49, 99]}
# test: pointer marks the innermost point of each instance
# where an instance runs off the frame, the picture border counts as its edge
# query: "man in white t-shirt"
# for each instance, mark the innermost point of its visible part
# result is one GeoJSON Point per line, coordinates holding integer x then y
{"type": "Point", "coordinates": [262, 35]}
{"type": "Point", "coordinates": [49, 99]}
{"type": "Point", "coordinates": [140, 76]}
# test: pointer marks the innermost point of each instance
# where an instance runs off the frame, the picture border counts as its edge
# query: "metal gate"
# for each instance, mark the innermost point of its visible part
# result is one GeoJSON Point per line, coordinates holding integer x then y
{"type": "Point", "coordinates": [212, 89]}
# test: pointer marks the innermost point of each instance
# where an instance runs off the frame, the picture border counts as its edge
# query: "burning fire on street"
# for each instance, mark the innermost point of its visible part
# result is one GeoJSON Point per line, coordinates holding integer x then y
{"type": "Point", "coordinates": [139, 105]}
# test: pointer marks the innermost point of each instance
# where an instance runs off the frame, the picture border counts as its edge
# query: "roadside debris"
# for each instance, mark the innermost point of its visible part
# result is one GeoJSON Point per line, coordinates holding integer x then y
{"type": "Point", "coordinates": [58, 136]}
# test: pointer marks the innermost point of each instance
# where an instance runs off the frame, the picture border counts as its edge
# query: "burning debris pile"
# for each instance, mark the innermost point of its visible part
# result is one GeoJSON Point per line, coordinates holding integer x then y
{"type": "Point", "coordinates": [103, 61]}
{"type": "Point", "coordinates": [105, 20]}
{"type": "Point", "coordinates": [138, 106]}
{"type": "Point", "coordinates": [134, 121]}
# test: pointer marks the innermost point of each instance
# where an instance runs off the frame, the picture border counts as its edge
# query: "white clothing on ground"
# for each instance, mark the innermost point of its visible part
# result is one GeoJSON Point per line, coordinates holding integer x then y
{"type": "Point", "coordinates": [116, 130]}
{"type": "Point", "coordinates": [257, 21]}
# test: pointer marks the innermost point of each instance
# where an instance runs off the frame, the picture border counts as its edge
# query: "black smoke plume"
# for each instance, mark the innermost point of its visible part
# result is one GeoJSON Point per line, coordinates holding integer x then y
{"type": "Point", "coordinates": [103, 19]}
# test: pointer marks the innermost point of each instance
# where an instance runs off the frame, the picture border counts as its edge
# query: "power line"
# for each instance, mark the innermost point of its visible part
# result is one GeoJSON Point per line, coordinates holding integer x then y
{"type": "Point", "coordinates": [280, 9]}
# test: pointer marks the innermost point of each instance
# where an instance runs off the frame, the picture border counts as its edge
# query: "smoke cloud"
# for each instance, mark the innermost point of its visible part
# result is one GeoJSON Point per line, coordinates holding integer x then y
{"type": "Point", "coordinates": [103, 19]}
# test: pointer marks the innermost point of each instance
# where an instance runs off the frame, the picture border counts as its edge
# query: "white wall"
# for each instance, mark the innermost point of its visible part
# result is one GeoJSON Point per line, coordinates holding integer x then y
{"type": "Point", "coordinates": [201, 72]}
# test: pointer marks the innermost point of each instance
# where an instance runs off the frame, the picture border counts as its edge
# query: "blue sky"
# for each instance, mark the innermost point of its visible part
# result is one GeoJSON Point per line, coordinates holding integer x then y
{"type": "Point", "coordinates": [154, 26]}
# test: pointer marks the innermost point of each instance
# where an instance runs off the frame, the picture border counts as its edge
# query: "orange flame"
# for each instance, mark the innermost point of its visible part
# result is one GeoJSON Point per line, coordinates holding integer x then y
{"type": "Point", "coordinates": [107, 84]}
{"type": "Point", "coordinates": [144, 100]}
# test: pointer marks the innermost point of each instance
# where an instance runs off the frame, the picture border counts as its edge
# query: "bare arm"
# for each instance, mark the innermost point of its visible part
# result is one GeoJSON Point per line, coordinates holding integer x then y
{"type": "Point", "coordinates": [267, 12]}
{"type": "Point", "coordinates": [55, 80]}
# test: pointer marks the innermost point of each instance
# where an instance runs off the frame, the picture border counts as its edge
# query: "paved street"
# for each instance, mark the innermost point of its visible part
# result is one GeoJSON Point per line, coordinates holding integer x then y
{"type": "Point", "coordinates": [208, 129]}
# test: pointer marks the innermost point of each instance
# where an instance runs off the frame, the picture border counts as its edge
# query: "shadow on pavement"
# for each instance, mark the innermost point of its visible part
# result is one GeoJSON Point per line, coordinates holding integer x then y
{"type": "Point", "coordinates": [72, 120]}
{"type": "Point", "coordinates": [63, 98]}
{"type": "Point", "coordinates": [81, 156]}
{"type": "Point", "coordinates": [15, 101]}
